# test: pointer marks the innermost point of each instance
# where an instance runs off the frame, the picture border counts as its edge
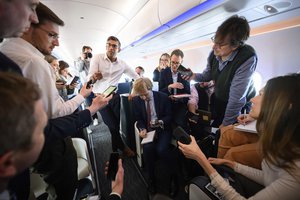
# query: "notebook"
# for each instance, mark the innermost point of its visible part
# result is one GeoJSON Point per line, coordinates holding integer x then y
{"type": "Point", "coordinates": [250, 127]}
{"type": "Point", "coordinates": [181, 95]}
{"type": "Point", "coordinates": [149, 138]}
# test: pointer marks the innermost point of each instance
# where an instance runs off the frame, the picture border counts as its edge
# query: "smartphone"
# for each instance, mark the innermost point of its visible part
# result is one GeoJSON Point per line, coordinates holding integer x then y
{"type": "Point", "coordinates": [109, 90]}
{"type": "Point", "coordinates": [75, 79]}
{"type": "Point", "coordinates": [113, 165]}
{"type": "Point", "coordinates": [89, 84]}
{"type": "Point", "coordinates": [184, 71]}
{"type": "Point", "coordinates": [213, 191]}
{"type": "Point", "coordinates": [182, 136]}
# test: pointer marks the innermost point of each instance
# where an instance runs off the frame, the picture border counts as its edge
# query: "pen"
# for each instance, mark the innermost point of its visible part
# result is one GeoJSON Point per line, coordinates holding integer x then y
{"type": "Point", "coordinates": [245, 117]}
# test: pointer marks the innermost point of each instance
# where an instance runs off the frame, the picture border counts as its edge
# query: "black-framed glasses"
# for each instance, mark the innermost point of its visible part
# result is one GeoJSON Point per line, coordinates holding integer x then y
{"type": "Point", "coordinates": [219, 44]}
{"type": "Point", "coordinates": [175, 63]}
{"type": "Point", "coordinates": [54, 36]}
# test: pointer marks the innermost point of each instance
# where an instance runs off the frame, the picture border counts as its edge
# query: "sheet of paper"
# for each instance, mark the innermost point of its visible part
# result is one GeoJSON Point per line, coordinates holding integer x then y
{"type": "Point", "coordinates": [181, 95]}
{"type": "Point", "coordinates": [149, 138]}
{"type": "Point", "coordinates": [250, 127]}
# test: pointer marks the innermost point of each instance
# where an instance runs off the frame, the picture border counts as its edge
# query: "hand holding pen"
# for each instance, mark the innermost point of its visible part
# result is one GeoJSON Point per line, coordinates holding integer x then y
{"type": "Point", "coordinates": [245, 118]}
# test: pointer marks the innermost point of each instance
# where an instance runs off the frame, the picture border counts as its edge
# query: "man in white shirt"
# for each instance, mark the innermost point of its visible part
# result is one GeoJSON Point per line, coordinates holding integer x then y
{"type": "Point", "coordinates": [29, 52]}
{"type": "Point", "coordinates": [105, 70]}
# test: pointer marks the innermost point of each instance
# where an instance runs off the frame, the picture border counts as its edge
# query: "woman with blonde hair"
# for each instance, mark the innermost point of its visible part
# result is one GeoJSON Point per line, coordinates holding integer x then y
{"type": "Point", "coordinates": [278, 124]}
{"type": "Point", "coordinates": [164, 61]}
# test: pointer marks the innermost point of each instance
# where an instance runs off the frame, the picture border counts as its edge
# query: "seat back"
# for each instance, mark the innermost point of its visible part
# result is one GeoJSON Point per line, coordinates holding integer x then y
{"type": "Point", "coordinates": [139, 149]}
{"type": "Point", "coordinates": [84, 167]}
{"type": "Point", "coordinates": [37, 184]}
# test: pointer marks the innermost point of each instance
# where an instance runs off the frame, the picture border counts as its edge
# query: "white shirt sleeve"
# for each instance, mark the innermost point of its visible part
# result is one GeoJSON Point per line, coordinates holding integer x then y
{"type": "Point", "coordinates": [94, 66]}
{"type": "Point", "coordinates": [130, 72]}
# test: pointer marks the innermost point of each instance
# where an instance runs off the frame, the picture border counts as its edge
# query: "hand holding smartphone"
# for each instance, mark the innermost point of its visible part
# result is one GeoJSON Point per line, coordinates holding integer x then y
{"type": "Point", "coordinates": [113, 166]}
{"type": "Point", "coordinates": [182, 136]}
{"type": "Point", "coordinates": [75, 79]}
{"type": "Point", "coordinates": [109, 90]}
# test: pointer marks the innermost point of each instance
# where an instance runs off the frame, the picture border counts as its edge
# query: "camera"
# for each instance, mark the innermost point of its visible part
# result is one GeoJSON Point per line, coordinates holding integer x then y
{"type": "Point", "coordinates": [88, 55]}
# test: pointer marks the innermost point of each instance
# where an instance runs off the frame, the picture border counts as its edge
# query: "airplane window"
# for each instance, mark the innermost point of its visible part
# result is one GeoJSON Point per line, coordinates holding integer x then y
{"type": "Point", "coordinates": [257, 79]}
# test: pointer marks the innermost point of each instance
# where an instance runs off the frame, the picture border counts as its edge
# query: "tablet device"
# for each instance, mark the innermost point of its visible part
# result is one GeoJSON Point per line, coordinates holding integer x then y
{"type": "Point", "coordinates": [182, 136]}
{"type": "Point", "coordinates": [113, 166]}
{"type": "Point", "coordinates": [109, 90]}
{"type": "Point", "coordinates": [75, 79]}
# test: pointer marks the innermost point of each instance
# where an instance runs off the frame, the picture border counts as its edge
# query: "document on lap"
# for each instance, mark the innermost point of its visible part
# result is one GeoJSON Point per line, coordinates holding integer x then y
{"type": "Point", "coordinates": [181, 95]}
{"type": "Point", "coordinates": [250, 127]}
{"type": "Point", "coordinates": [149, 138]}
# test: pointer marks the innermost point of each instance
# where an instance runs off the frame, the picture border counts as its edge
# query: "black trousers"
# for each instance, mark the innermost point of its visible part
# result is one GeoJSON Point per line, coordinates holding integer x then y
{"type": "Point", "coordinates": [58, 162]}
{"type": "Point", "coordinates": [111, 117]}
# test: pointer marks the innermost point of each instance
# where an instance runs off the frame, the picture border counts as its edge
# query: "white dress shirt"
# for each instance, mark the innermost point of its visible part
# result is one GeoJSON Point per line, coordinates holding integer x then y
{"type": "Point", "coordinates": [111, 72]}
{"type": "Point", "coordinates": [36, 68]}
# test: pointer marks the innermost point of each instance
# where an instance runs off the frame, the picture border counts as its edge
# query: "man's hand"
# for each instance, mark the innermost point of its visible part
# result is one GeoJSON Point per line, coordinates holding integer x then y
{"type": "Point", "coordinates": [99, 102]}
{"type": "Point", "coordinates": [143, 133]}
{"type": "Point", "coordinates": [97, 76]}
{"type": "Point", "coordinates": [85, 92]}
{"type": "Point", "coordinates": [118, 184]}
{"type": "Point", "coordinates": [176, 85]}
{"type": "Point", "coordinates": [189, 78]}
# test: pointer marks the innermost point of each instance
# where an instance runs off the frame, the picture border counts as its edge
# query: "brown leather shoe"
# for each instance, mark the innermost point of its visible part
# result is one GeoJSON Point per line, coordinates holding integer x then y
{"type": "Point", "coordinates": [127, 152]}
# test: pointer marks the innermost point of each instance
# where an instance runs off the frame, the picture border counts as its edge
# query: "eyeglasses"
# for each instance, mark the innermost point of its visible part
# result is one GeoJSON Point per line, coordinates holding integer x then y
{"type": "Point", "coordinates": [219, 44]}
{"type": "Point", "coordinates": [175, 63]}
{"type": "Point", "coordinates": [114, 46]}
{"type": "Point", "coordinates": [54, 36]}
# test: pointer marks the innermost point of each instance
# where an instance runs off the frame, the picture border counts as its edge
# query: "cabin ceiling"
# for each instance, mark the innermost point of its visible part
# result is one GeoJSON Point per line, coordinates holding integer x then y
{"type": "Point", "coordinates": [90, 22]}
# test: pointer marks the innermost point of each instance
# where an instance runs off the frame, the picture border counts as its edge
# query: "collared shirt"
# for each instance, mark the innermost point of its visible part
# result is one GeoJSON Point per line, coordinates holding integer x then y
{"type": "Point", "coordinates": [152, 106]}
{"type": "Point", "coordinates": [239, 85]}
{"type": "Point", "coordinates": [37, 69]}
{"type": "Point", "coordinates": [111, 72]}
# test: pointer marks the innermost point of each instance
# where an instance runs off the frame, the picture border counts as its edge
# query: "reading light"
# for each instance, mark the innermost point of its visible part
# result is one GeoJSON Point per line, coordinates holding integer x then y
{"type": "Point", "coordinates": [270, 9]}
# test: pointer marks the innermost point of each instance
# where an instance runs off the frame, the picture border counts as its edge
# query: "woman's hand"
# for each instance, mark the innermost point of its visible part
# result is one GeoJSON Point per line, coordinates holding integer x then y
{"type": "Point", "coordinates": [220, 161]}
{"type": "Point", "coordinates": [191, 150]}
{"type": "Point", "coordinates": [245, 118]}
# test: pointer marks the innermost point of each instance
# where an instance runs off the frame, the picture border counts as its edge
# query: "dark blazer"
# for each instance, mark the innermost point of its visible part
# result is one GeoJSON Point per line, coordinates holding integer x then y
{"type": "Point", "coordinates": [55, 132]}
{"type": "Point", "coordinates": [166, 79]}
{"type": "Point", "coordinates": [162, 108]}
{"type": "Point", "coordinates": [7, 65]}
{"type": "Point", "coordinates": [69, 125]}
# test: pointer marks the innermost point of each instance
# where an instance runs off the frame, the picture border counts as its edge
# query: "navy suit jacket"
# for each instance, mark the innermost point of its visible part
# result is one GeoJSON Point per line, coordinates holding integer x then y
{"type": "Point", "coordinates": [162, 108]}
{"type": "Point", "coordinates": [166, 79]}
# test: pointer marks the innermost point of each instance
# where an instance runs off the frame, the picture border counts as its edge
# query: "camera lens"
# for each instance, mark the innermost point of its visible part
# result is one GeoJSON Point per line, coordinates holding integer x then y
{"type": "Point", "coordinates": [89, 55]}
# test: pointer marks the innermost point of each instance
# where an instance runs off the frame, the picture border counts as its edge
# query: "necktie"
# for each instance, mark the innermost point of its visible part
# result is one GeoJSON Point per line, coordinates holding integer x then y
{"type": "Point", "coordinates": [148, 115]}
